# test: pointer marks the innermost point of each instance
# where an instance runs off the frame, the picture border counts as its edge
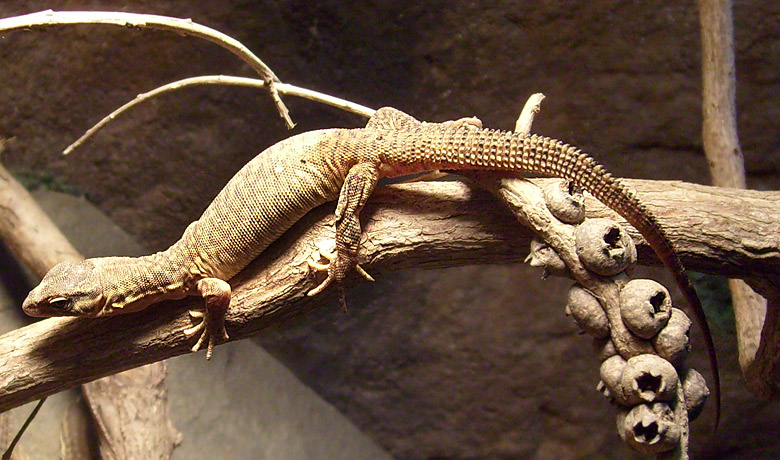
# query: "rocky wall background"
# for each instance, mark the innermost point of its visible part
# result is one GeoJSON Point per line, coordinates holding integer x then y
{"type": "Point", "coordinates": [472, 362]}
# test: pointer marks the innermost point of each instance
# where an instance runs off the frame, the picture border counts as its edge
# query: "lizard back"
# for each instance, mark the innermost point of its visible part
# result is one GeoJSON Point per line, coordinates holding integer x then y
{"type": "Point", "coordinates": [266, 197]}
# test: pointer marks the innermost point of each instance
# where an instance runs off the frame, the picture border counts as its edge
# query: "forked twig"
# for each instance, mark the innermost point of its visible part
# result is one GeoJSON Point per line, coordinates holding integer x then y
{"type": "Point", "coordinates": [284, 88]}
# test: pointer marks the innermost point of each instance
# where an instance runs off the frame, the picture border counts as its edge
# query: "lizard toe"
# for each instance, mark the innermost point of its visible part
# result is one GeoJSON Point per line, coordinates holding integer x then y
{"type": "Point", "coordinates": [205, 337]}
{"type": "Point", "coordinates": [197, 328]}
{"type": "Point", "coordinates": [321, 287]}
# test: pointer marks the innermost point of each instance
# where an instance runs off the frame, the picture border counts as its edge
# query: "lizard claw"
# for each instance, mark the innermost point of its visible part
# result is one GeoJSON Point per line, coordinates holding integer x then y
{"type": "Point", "coordinates": [211, 327]}
{"type": "Point", "coordinates": [322, 253]}
{"type": "Point", "coordinates": [315, 265]}
{"type": "Point", "coordinates": [208, 330]}
{"type": "Point", "coordinates": [328, 253]}
{"type": "Point", "coordinates": [321, 287]}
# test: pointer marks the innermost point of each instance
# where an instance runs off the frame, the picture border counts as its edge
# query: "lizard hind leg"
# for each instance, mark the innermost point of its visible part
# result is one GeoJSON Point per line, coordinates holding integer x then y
{"type": "Point", "coordinates": [358, 185]}
{"type": "Point", "coordinates": [388, 118]}
{"type": "Point", "coordinates": [216, 294]}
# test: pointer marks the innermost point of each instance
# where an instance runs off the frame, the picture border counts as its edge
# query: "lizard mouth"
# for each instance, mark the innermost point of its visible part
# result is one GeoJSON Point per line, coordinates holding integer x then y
{"type": "Point", "coordinates": [32, 309]}
{"type": "Point", "coordinates": [57, 306]}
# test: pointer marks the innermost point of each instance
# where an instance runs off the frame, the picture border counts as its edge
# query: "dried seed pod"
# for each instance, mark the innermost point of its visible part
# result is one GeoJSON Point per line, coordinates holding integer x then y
{"type": "Point", "coordinates": [649, 378]}
{"type": "Point", "coordinates": [565, 201]}
{"type": "Point", "coordinates": [604, 247]}
{"type": "Point", "coordinates": [645, 306]}
{"type": "Point", "coordinates": [649, 428]}
{"type": "Point", "coordinates": [695, 391]}
{"type": "Point", "coordinates": [672, 342]}
{"type": "Point", "coordinates": [604, 348]}
{"type": "Point", "coordinates": [587, 312]}
{"type": "Point", "coordinates": [611, 373]}
{"type": "Point", "coordinates": [542, 255]}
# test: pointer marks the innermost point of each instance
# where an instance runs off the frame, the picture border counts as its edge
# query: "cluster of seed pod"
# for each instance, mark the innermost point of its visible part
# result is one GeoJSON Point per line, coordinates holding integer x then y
{"type": "Point", "coordinates": [649, 383]}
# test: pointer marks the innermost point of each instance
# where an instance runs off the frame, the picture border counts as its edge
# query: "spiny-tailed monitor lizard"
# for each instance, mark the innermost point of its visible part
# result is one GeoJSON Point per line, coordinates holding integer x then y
{"type": "Point", "coordinates": [279, 186]}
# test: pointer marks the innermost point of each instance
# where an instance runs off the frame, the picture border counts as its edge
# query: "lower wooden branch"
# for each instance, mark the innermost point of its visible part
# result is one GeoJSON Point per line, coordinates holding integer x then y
{"type": "Point", "coordinates": [407, 225]}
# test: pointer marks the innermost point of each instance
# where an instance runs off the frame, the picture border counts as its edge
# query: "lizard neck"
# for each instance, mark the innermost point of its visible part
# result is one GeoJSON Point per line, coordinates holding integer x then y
{"type": "Point", "coordinates": [133, 283]}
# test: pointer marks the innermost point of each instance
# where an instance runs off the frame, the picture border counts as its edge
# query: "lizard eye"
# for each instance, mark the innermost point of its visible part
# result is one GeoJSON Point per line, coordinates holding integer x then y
{"type": "Point", "coordinates": [58, 303]}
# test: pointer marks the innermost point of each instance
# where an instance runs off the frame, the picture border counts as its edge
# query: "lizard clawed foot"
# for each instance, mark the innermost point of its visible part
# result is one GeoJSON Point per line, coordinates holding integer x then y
{"type": "Point", "coordinates": [333, 260]}
{"type": "Point", "coordinates": [211, 327]}
{"type": "Point", "coordinates": [468, 122]}
{"type": "Point", "coordinates": [209, 332]}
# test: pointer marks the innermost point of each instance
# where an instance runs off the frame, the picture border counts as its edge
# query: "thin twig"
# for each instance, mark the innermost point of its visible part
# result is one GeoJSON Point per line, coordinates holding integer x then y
{"type": "Point", "coordinates": [284, 88]}
{"type": "Point", "coordinates": [532, 106]}
{"type": "Point", "coordinates": [9, 451]}
{"type": "Point", "coordinates": [51, 18]}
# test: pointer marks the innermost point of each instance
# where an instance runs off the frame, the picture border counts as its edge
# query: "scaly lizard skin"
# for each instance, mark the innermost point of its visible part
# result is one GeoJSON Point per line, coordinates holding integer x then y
{"type": "Point", "coordinates": [279, 186]}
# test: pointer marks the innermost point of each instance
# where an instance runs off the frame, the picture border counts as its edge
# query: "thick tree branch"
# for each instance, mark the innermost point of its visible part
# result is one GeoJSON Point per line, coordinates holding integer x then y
{"type": "Point", "coordinates": [124, 431]}
{"type": "Point", "coordinates": [407, 225]}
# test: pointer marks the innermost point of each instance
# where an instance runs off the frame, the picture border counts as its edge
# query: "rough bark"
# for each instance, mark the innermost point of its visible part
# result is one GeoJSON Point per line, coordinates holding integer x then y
{"type": "Point", "coordinates": [28, 231]}
{"type": "Point", "coordinates": [725, 231]}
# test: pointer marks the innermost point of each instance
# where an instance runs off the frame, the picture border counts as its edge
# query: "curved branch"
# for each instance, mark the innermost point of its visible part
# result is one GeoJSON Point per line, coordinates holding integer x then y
{"type": "Point", "coordinates": [51, 18]}
{"type": "Point", "coordinates": [461, 226]}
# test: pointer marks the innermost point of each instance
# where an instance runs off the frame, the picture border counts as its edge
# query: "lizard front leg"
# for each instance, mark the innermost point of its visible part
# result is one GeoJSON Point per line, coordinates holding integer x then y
{"type": "Point", "coordinates": [216, 293]}
{"type": "Point", "coordinates": [358, 185]}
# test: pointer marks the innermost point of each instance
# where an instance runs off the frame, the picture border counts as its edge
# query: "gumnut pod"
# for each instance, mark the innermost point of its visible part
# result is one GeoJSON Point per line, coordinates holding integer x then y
{"type": "Point", "coordinates": [649, 378]}
{"type": "Point", "coordinates": [604, 247]}
{"type": "Point", "coordinates": [586, 311]}
{"type": "Point", "coordinates": [695, 391]}
{"type": "Point", "coordinates": [649, 428]}
{"type": "Point", "coordinates": [645, 307]}
{"type": "Point", "coordinates": [611, 373]}
{"type": "Point", "coordinates": [672, 342]}
{"type": "Point", "coordinates": [542, 255]}
{"type": "Point", "coordinates": [565, 201]}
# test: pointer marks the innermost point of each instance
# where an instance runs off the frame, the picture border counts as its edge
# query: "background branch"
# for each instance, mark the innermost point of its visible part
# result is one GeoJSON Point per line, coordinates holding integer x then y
{"type": "Point", "coordinates": [462, 226]}
{"type": "Point", "coordinates": [225, 80]}
{"type": "Point", "coordinates": [51, 18]}
{"type": "Point", "coordinates": [758, 335]}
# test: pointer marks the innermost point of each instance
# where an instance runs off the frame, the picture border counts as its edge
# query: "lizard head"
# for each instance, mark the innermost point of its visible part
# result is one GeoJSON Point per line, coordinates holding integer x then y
{"type": "Point", "coordinates": [68, 289]}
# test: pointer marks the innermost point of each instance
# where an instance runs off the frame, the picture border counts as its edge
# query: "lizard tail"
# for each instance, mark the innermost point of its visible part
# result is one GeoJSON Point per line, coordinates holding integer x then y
{"type": "Point", "coordinates": [656, 237]}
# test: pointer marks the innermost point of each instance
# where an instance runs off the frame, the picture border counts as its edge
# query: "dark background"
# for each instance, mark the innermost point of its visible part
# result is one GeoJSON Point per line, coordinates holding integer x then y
{"type": "Point", "coordinates": [471, 362]}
